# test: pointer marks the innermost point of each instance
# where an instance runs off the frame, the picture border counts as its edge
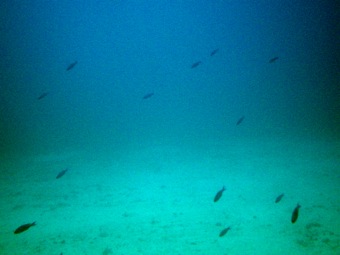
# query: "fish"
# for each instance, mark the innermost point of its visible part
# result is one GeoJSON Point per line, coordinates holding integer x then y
{"type": "Point", "coordinates": [61, 173]}
{"type": "Point", "coordinates": [42, 95]}
{"type": "Point", "coordinates": [214, 52]}
{"type": "Point", "coordinates": [219, 194]}
{"type": "Point", "coordinates": [71, 66]}
{"type": "Point", "coordinates": [23, 228]}
{"type": "Point", "coordinates": [239, 121]}
{"type": "Point", "coordinates": [278, 199]}
{"type": "Point", "coordinates": [146, 96]}
{"type": "Point", "coordinates": [224, 231]}
{"type": "Point", "coordinates": [196, 64]}
{"type": "Point", "coordinates": [295, 213]}
{"type": "Point", "coordinates": [272, 60]}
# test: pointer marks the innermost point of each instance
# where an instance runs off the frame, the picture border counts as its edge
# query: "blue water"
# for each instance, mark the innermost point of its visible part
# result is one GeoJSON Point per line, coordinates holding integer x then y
{"type": "Point", "coordinates": [145, 170]}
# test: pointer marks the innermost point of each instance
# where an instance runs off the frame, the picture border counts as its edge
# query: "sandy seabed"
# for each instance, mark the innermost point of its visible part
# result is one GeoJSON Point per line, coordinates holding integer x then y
{"type": "Point", "coordinates": [158, 199]}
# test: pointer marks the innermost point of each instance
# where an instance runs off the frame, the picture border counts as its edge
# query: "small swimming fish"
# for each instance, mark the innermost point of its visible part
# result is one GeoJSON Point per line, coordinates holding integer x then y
{"type": "Point", "coordinates": [61, 173]}
{"type": "Point", "coordinates": [278, 199]}
{"type": "Point", "coordinates": [239, 121]}
{"type": "Point", "coordinates": [272, 60]}
{"type": "Point", "coordinates": [23, 228]}
{"type": "Point", "coordinates": [42, 95]}
{"type": "Point", "coordinates": [196, 64]}
{"type": "Point", "coordinates": [224, 231]}
{"type": "Point", "coordinates": [219, 194]}
{"type": "Point", "coordinates": [214, 52]}
{"type": "Point", "coordinates": [295, 213]}
{"type": "Point", "coordinates": [71, 66]}
{"type": "Point", "coordinates": [146, 96]}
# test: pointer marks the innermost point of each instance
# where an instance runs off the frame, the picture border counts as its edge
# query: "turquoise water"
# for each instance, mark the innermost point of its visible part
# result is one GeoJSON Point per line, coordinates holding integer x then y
{"type": "Point", "coordinates": [166, 103]}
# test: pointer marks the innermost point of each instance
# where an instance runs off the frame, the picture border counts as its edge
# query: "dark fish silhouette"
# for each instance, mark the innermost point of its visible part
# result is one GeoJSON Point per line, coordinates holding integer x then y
{"type": "Point", "coordinates": [219, 194]}
{"type": "Point", "coordinates": [278, 199]}
{"type": "Point", "coordinates": [42, 95]}
{"type": "Point", "coordinates": [214, 52]}
{"type": "Point", "coordinates": [146, 96]}
{"type": "Point", "coordinates": [196, 64]}
{"type": "Point", "coordinates": [224, 231]}
{"type": "Point", "coordinates": [71, 66]}
{"type": "Point", "coordinates": [295, 213]}
{"type": "Point", "coordinates": [272, 60]}
{"type": "Point", "coordinates": [61, 173]}
{"type": "Point", "coordinates": [23, 228]}
{"type": "Point", "coordinates": [239, 121]}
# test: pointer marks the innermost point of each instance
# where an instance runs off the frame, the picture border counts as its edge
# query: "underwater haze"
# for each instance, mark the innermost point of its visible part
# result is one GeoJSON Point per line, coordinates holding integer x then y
{"type": "Point", "coordinates": [169, 127]}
